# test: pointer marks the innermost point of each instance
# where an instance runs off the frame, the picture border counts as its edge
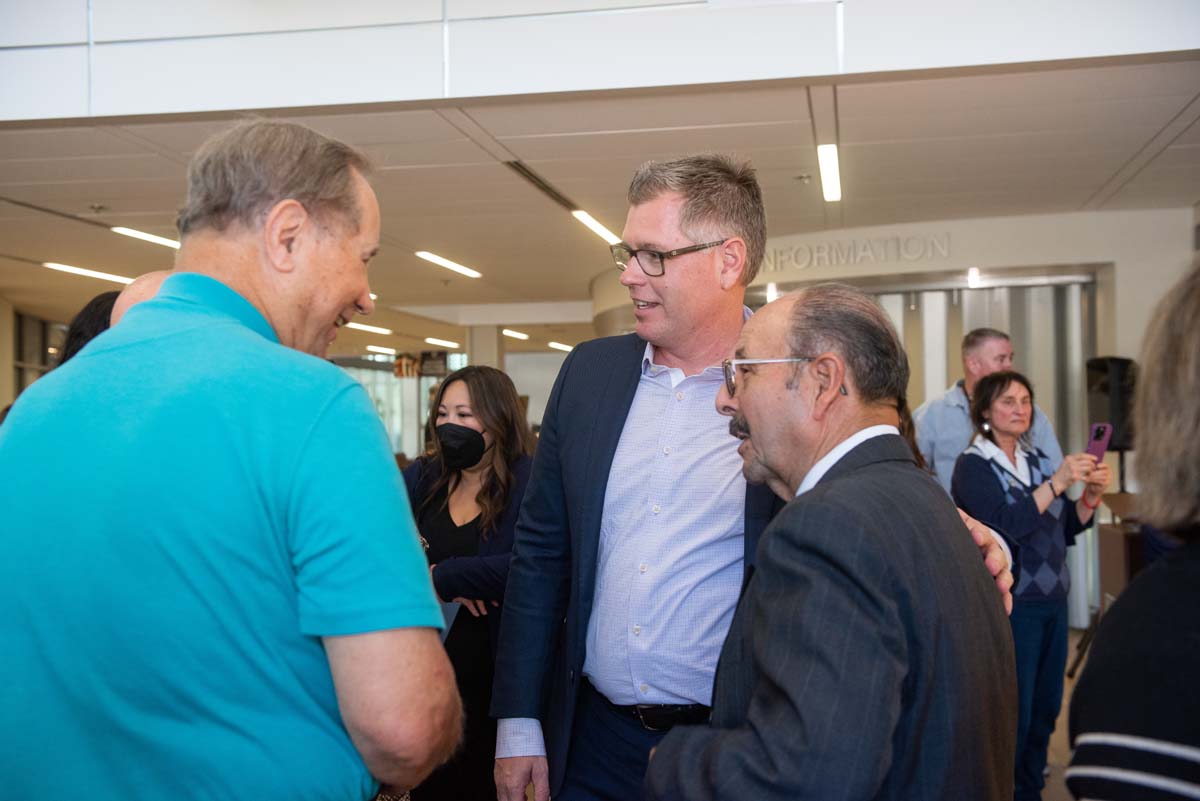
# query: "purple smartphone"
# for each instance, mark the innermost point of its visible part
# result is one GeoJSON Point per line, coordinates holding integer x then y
{"type": "Point", "coordinates": [1098, 439]}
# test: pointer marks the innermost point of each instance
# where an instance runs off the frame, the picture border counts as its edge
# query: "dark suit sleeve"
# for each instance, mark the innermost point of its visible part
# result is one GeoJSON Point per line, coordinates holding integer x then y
{"type": "Point", "coordinates": [536, 596]}
{"type": "Point", "coordinates": [484, 577]}
{"type": "Point", "coordinates": [829, 662]}
{"type": "Point", "coordinates": [975, 489]}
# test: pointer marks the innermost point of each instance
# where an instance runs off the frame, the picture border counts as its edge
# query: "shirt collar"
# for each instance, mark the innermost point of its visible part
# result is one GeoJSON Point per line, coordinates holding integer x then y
{"type": "Point", "coordinates": [649, 367]}
{"type": "Point", "coordinates": [826, 462]}
{"type": "Point", "coordinates": [994, 452]}
{"type": "Point", "coordinates": [203, 290]}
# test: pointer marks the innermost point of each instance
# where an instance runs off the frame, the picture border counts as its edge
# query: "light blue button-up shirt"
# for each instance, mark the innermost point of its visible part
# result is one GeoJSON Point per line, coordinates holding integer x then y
{"type": "Point", "coordinates": [944, 431]}
{"type": "Point", "coordinates": [672, 548]}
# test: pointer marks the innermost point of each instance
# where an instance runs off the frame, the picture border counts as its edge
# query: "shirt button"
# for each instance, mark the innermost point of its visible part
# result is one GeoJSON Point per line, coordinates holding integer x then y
{"type": "Point", "coordinates": [637, 630]}
{"type": "Point", "coordinates": [666, 449]}
{"type": "Point", "coordinates": [644, 687]}
{"type": "Point", "coordinates": [641, 568]}
{"type": "Point", "coordinates": [657, 508]}
{"type": "Point", "coordinates": [678, 396]}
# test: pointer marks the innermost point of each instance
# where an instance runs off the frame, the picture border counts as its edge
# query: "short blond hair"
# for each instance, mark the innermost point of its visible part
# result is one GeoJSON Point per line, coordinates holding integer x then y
{"type": "Point", "coordinates": [720, 194]}
{"type": "Point", "coordinates": [1166, 418]}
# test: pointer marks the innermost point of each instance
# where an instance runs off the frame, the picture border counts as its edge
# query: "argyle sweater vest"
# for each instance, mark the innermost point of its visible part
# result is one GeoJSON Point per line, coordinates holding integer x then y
{"type": "Point", "coordinates": [1043, 574]}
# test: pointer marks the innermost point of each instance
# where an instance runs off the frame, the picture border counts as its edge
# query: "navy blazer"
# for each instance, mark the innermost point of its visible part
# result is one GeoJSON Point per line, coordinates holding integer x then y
{"type": "Point", "coordinates": [552, 579]}
{"type": "Point", "coordinates": [869, 657]}
{"type": "Point", "coordinates": [481, 577]}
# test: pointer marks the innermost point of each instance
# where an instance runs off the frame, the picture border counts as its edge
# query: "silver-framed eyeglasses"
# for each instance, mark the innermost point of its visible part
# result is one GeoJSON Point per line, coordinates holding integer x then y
{"type": "Point", "coordinates": [653, 262]}
{"type": "Point", "coordinates": [729, 367]}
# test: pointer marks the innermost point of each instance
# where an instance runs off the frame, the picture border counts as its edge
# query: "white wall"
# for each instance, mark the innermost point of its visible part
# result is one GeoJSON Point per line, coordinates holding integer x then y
{"type": "Point", "coordinates": [534, 374]}
{"type": "Point", "coordinates": [146, 57]}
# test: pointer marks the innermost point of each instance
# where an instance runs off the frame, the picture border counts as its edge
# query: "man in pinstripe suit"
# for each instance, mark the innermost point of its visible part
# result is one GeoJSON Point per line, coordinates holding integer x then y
{"type": "Point", "coordinates": [869, 657]}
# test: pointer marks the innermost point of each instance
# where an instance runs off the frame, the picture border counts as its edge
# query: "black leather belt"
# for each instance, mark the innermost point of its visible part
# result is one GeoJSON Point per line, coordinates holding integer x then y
{"type": "Point", "coordinates": [658, 717]}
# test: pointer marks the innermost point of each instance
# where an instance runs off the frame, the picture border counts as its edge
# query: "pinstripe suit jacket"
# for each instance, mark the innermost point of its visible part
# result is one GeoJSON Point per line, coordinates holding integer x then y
{"type": "Point", "coordinates": [869, 657]}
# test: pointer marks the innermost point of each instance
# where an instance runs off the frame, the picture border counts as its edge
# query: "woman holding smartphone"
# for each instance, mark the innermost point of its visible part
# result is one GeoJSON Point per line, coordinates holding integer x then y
{"type": "Point", "coordinates": [1006, 483]}
{"type": "Point", "coordinates": [465, 496]}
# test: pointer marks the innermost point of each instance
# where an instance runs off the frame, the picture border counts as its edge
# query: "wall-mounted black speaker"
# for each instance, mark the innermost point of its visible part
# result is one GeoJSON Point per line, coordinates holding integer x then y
{"type": "Point", "coordinates": [1110, 383]}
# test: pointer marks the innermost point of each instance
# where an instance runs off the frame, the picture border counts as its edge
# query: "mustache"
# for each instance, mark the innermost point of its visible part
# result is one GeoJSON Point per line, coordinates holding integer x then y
{"type": "Point", "coordinates": [738, 427]}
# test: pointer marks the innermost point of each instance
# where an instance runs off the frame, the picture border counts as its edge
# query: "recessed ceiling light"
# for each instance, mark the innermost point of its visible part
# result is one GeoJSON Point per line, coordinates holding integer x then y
{"type": "Point", "coordinates": [508, 332]}
{"type": "Point", "coordinates": [449, 265]}
{"type": "Point", "coordinates": [381, 349]}
{"type": "Point", "coordinates": [445, 343]}
{"type": "Point", "coordinates": [831, 179]}
{"type": "Point", "coordinates": [374, 329]}
{"type": "Point", "coordinates": [561, 346]}
{"type": "Point", "coordinates": [66, 268]}
{"type": "Point", "coordinates": [158, 240]}
{"type": "Point", "coordinates": [597, 229]}
{"type": "Point", "coordinates": [374, 296]}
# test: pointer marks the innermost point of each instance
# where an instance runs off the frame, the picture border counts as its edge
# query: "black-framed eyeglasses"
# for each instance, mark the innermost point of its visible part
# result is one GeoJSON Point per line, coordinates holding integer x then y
{"type": "Point", "coordinates": [729, 367]}
{"type": "Point", "coordinates": [653, 262]}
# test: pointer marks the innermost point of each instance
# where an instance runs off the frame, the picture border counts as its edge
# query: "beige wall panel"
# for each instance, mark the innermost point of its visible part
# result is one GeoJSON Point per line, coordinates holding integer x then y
{"type": "Point", "coordinates": [459, 9]}
{"type": "Point", "coordinates": [122, 20]}
{"type": "Point", "coordinates": [269, 70]}
{"type": "Point", "coordinates": [42, 23]}
{"type": "Point", "coordinates": [920, 34]}
{"type": "Point", "coordinates": [27, 75]}
{"type": "Point", "coordinates": [659, 47]}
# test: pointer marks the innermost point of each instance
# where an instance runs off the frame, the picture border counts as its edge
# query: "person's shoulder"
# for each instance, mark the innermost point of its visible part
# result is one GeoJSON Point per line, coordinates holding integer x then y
{"type": "Point", "coordinates": [610, 347]}
{"type": "Point", "coordinates": [937, 402]}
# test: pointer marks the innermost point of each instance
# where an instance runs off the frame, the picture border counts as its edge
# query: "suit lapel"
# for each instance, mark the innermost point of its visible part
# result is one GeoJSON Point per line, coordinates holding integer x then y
{"type": "Point", "coordinates": [885, 448]}
{"type": "Point", "coordinates": [615, 400]}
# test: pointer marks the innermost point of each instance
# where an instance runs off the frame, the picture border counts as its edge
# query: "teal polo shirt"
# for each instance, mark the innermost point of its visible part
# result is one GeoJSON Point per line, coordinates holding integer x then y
{"type": "Point", "coordinates": [186, 508]}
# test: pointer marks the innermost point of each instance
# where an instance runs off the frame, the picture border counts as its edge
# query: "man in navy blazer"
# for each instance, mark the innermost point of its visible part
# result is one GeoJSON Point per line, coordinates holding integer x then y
{"type": "Point", "coordinates": [637, 526]}
{"type": "Point", "coordinates": [869, 657]}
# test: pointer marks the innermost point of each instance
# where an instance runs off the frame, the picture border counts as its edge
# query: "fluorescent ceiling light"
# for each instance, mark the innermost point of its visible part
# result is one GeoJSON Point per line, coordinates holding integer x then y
{"type": "Point", "coordinates": [66, 268]}
{"type": "Point", "coordinates": [445, 343]}
{"type": "Point", "coordinates": [158, 240]}
{"type": "Point", "coordinates": [374, 329]}
{"type": "Point", "coordinates": [561, 346]}
{"type": "Point", "coordinates": [597, 229]}
{"type": "Point", "coordinates": [831, 179]}
{"type": "Point", "coordinates": [381, 349]}
{"type": "Point", "coordinates": [508, 332]}
{"type": "Point", "coordinates": [449, 265]}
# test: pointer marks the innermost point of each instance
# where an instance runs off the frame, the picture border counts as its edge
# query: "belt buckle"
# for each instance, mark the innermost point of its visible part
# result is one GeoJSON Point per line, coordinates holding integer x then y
{"type": "Point", "coordinates": [640, 709]}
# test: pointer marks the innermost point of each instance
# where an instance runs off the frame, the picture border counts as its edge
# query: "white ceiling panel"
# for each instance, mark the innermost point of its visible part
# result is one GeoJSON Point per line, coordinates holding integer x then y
{"type": "Point", "coordinates": [666, 142]}
{"type": "Point", "coordinates": [640, 112]}
{"type": "Point", "coordinates": [85, 169]}
{"type": "Point", "coordinates": [48, 143]}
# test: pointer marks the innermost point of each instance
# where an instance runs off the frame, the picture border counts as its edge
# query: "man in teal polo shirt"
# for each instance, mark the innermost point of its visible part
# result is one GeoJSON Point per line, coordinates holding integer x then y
{"type": "Point", "coordinates": [212, 584]}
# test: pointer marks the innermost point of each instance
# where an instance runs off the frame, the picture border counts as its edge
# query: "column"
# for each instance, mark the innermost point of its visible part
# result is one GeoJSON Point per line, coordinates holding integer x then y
{"type": "Point", "coordinates": [8, 346]}
{"type": "Point", "coordinates": [485, 345]}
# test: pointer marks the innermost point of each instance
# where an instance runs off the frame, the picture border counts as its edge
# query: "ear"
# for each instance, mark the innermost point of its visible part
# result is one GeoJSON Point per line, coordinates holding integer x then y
{"type": "Point", "coordinates": [733, 262]}
{"type": "Point", "coordinates": [830, 373]}
{"type": "Point", "coordinates": [281, 231]}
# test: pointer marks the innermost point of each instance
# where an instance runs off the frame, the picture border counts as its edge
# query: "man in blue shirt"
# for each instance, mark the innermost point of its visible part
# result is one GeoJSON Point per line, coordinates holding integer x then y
{"type": "Point", "coordinates": [943, 423]}
{"type": "Point", "coordinates": [212, 584]}
{"type": "Point", "coordinates": [637, 526]}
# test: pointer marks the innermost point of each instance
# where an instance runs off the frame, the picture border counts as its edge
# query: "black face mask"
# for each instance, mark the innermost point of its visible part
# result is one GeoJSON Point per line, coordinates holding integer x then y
{"type": "Point", "coordinates": [462, 447]}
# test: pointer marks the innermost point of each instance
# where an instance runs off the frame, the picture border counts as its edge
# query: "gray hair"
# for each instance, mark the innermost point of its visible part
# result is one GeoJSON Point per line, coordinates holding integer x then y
{"type": "Point", "coordinates": [978, 336]}
{"type": "Point", "coordinates": [239, 174]}
{"type": "Point", "coordinates": [1166, 411]}
{"type": "Point", "coordinates": [721, 196]}
{"type": "Point", "coordinates": [850, 323]}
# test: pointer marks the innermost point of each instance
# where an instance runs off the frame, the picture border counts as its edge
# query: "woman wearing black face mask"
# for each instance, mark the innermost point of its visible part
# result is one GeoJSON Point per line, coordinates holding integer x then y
{"type": "Point", "coordinates": [465, 496]}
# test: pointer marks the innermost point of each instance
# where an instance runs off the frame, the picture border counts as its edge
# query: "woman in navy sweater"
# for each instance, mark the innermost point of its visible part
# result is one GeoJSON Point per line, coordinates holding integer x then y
{"type": "Point", "coordinates": [1006, 483]}
{"type": "Point", "coordinates": [465, 497]}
